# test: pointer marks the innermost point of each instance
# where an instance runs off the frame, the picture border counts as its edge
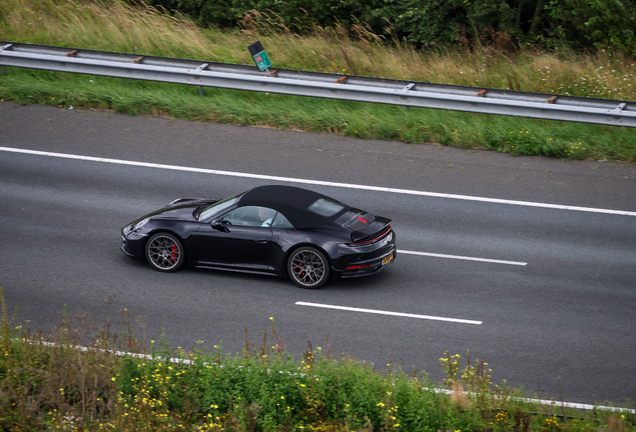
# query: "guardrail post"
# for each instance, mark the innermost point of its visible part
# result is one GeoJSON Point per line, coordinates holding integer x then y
{"type": "Point", "coordinates": [5, 47]}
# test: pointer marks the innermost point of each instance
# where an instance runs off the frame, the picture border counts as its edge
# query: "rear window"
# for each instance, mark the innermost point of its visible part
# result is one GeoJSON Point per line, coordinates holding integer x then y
{"type": "Point", "coordinates": [326, 207]}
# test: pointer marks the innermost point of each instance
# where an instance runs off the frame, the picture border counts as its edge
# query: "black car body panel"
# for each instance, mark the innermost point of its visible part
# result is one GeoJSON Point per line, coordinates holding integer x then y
{"type": "Point", "coordinates": [355, 242]}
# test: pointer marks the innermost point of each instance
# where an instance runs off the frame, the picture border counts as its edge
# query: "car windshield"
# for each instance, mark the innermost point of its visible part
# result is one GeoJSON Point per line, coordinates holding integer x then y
{"type": "Point", "coordinates": [326, 207]}
{"type": "Point", "coordinates": [217, 207]}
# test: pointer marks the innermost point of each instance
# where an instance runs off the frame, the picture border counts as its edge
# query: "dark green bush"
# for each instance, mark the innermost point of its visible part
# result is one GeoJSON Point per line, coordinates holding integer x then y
{"type": "Point", "coordinates": [580, 24]}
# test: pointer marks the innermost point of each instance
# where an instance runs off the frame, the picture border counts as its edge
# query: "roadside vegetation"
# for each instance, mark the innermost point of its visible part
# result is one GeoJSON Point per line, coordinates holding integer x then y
{"type": "Point", "coordinates": [48, 383]}
{"type": "Point", "coordinates": [354, 49]}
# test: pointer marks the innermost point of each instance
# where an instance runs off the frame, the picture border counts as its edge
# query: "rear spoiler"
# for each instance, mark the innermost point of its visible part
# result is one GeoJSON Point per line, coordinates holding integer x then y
{"type": "Point", "coordinates": [372, 232]}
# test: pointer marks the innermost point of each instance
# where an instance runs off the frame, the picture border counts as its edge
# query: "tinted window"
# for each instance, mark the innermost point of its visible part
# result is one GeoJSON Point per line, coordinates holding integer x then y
{"type": "Point", "coordinates": [281, 221]}
{"type": "Point", "coordinates": [326, 207]}
{"type": "Point", "coordinates": [252, 216]}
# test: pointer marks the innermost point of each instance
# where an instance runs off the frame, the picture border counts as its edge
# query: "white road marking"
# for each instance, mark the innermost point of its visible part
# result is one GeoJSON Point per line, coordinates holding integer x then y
{"type": "Point", "coordinates": [318, 182]}
{"type": "Point", "coordinates": [380, 312]}
{"type": "Point", "coordinates": [517, 263]}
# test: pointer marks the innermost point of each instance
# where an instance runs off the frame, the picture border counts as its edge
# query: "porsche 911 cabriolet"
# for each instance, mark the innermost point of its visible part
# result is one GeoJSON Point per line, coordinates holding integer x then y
{"type": "Point", "coordinates": [276, 230]}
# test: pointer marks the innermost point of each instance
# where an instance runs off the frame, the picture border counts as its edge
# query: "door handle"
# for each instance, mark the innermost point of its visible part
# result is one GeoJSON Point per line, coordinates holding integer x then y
{"type": "Point", "coordinates": [261, 240]}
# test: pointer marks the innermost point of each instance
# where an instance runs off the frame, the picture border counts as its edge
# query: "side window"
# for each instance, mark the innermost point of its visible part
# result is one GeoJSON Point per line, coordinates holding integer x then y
{"type": "Point", "coordinates": [281, 221]}
{"type": "Point", "coordinates": [252, 216]}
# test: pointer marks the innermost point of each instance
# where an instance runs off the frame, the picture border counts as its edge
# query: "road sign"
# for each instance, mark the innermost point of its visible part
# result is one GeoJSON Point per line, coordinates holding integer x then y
{"type": "Point", "coordinates": [260, 56]}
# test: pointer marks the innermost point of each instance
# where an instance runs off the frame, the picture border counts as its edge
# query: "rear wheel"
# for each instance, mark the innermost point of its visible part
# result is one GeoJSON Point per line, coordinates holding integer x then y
{"type": "Point", "coordinates": [165, 252]}
{"type": "Point", "coordinates": [308, 267]}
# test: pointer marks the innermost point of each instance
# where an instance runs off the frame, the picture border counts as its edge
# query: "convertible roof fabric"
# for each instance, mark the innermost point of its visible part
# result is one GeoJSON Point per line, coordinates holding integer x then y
{"type": "Point", "coordinates": [292, 202]}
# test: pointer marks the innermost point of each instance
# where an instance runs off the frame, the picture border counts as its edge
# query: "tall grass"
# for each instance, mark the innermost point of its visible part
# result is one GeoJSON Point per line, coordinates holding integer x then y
{"type": "Point", "coordinates": [116, 26]}
{"type": "Point", "coordinates": [120, 27]}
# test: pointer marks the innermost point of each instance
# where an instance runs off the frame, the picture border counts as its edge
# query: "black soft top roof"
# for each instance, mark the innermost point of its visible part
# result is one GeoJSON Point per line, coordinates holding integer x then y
{"type": "Point", "coordinates": [291, 201]}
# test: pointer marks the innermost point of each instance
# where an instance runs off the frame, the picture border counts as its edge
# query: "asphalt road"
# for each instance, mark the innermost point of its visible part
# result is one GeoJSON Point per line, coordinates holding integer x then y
{"type": "Point", "coordinates": [562, 324]}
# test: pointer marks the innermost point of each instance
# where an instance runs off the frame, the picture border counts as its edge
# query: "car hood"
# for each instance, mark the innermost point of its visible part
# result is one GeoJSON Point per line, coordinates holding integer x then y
{"type": "Point", "coordinates": [181, 209]}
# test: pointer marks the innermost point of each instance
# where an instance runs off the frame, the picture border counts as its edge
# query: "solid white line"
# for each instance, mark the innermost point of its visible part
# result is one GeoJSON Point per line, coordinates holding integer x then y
{"type": "Point", "coordinates": [517, 263]}
{"type": "Point", "coordinates": [380, 312]}
{"type": "Point", "coordinates": [318, 182]}
{"type": "Point", "coordinates": [555, 403]}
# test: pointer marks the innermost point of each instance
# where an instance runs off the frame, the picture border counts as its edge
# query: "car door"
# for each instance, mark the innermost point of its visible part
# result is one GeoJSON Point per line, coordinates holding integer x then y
{"type": "Point", "coordinates": [242, 240]}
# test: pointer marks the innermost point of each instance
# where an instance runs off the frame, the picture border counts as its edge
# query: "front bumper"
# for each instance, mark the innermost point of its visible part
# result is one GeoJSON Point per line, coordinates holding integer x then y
{"type": "Point", "coordinates": [132, 245]}
{"type": "Point", "coordinates": [124, 246]}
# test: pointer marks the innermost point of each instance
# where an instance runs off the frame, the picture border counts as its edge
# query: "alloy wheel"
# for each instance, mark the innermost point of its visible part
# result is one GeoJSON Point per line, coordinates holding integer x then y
{"type": "Point", "coordinates": [164, 252]}
{"type": "Point", "coordinates": [308, 268]}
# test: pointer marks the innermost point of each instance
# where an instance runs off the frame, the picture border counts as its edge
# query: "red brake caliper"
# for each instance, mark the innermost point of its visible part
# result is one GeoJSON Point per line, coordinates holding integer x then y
{"type": "Point", "coordinates": [174, 253]}
{"type": "Point", "coordinates": [302, 273]}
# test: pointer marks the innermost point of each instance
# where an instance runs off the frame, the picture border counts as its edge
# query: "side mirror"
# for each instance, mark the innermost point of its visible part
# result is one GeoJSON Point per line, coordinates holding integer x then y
{"type": "Point", "coordinates": [217, 224]}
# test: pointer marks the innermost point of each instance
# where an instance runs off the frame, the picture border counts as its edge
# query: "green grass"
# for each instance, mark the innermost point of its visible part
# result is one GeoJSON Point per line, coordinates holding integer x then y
{"type": "Point", "coordinates": [113, 26]}
{"type": "Point", "coordinates": [367, 121]}
{"type": "Point", "coordinates": [56, 386]}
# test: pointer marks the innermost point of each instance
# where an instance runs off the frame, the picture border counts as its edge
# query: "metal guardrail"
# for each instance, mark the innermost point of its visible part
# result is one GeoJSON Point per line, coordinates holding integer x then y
{"type": "Point", "coordinates": [324, 85]}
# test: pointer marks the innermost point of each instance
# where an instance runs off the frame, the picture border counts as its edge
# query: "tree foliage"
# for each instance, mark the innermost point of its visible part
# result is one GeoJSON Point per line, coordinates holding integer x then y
{"type": "Point", "coordinates": [580, 24]}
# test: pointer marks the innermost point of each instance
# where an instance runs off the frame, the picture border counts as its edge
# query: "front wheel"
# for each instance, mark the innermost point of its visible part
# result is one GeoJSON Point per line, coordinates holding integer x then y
{"type": "Point", "coordinates": [308, 267]}
{"type": "Point", "coordinates": [165, 252]}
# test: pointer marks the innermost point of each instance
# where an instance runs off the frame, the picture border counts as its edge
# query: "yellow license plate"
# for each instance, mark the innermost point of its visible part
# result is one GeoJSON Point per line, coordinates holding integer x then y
{"type": "Point", "coordinates": [386, 259]}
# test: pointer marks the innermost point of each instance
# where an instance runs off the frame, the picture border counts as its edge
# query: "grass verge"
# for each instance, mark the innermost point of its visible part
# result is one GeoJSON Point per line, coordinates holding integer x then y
{"type": "Point", "coordinates": [518, 136]}
{"type": "Point", "coordinates": [115, 26]}
{"type": "Point", "coordinates": [48, 384]}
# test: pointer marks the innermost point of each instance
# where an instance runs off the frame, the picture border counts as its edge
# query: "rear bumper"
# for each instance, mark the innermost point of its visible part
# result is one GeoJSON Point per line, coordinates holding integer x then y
{"type": "Point", "coordinates": [367, 268]}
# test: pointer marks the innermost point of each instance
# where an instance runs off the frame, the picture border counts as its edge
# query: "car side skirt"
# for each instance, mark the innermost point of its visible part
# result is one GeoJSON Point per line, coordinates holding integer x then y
{"type": "Point", "coordinates": [211, 267]}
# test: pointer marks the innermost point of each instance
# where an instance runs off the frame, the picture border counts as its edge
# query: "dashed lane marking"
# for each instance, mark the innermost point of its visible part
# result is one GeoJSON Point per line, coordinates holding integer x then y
{"type": "Point", "coordinates": [381, 312]}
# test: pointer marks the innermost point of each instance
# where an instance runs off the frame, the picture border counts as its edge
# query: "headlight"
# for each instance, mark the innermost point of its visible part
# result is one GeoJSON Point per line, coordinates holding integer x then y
{"type": "Point", "coordinates": [140, 224]}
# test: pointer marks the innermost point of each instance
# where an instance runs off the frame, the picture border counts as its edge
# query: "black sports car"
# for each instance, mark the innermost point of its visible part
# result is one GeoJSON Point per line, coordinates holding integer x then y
{"type": "Point", "coordinates": [274, 230]}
